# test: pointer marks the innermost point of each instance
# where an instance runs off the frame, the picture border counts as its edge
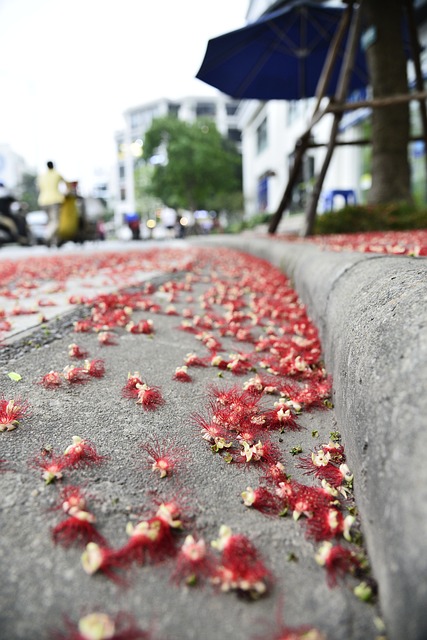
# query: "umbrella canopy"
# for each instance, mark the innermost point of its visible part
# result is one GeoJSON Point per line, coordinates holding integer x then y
{"type": "Point", "coordinates": [280, 56]}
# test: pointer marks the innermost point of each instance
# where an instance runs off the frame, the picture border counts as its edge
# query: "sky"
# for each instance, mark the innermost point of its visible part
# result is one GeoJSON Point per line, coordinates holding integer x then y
{"type": "Point", "coordinates": [70, 68]}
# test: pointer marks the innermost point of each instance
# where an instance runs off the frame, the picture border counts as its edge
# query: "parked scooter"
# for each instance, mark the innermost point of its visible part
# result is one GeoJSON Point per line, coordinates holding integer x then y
{"type": "Point", "coordinates": [13, 225]}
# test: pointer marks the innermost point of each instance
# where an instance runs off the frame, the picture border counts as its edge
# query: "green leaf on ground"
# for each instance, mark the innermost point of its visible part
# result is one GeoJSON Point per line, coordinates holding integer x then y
{"type": "Point", "coordinates": [16, 377]}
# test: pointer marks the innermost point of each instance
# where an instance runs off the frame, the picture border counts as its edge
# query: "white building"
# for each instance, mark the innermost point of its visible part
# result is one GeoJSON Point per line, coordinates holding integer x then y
{"type": "Point", "coordinates": [129, 142]}
{"type": "Point", "coordinates": [271, 129]}
{"type": "Point", "coordinates": [12, 167]}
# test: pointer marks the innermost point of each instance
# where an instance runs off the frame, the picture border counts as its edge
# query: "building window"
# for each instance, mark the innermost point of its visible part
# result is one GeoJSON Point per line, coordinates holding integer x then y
{"type": "Point", "coordinates": [205, 109]}
{"type": "Point", "coordinates": [262, 193]}
{"type": "Point", "coordinates": [121, 170]}
{"type": "Point", "coordinates": [261, 136]}
{"type": "Point", "coordinates": [173, 109]}
{"type": "Point", "coordinates": [134, 120]}
{"type": "Point", "coordinates": [231, 108]}
{"type": "Point", "coordinates": [122, 194]}
{"type": "Point", "coordinates": [235, 135]}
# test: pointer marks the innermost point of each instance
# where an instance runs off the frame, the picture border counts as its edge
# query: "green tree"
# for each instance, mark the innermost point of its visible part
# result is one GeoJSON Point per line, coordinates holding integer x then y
{"type": "Point", "coordinates": [145, 203]}
{"type": "Point", "coordinates": [27, 191]}
{"type": "Point", "coordinates": [196, 167]}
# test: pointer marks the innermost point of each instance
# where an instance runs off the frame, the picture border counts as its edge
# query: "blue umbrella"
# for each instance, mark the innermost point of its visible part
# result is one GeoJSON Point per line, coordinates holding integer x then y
{"type": "Point", "coordinates": [280, 56]}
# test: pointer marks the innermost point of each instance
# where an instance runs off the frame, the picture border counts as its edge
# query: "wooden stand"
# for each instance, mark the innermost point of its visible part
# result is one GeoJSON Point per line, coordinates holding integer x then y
{"type": "Point", "coordinates": [337, 106]}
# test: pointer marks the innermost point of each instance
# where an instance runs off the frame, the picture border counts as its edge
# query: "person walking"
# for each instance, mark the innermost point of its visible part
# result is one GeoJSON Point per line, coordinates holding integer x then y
{"type": "Point", "coordinates": [50, 200]}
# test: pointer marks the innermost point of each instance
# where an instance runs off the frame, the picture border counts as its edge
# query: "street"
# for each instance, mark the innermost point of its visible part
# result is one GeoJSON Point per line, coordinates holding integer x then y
{"type": "Point", "coordinates": [178, 304]}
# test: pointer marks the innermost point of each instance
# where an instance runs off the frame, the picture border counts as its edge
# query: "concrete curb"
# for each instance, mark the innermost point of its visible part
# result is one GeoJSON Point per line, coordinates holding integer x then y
{"type": "Point", "coordinates": [371, 311]}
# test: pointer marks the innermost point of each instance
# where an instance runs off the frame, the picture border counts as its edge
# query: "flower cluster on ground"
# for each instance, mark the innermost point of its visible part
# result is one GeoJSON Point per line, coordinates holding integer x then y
{"type": "Point", "coordinates": [258, 393]}
{"type": "Point", "coordinates": [410, 243]}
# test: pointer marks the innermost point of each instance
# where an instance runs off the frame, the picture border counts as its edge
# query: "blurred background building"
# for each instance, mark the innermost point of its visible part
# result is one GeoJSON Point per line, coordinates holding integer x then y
{"type": "Point", "coordinates": [129, 141]}
{"type": "Point", "coordinates": [12, 167]}
{"type": "Point", "coordinates": [271, 129]}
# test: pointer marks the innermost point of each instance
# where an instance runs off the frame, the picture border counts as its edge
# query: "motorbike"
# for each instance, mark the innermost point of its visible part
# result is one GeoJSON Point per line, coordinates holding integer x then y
{"type": "Point", "coordinates": [13, 225]}
{"type": "Point", "coordinates": [74, 223]}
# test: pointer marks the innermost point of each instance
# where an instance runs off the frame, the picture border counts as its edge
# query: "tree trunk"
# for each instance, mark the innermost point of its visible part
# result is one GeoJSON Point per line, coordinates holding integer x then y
{"type": "Point", "coordinates": [390, 126]}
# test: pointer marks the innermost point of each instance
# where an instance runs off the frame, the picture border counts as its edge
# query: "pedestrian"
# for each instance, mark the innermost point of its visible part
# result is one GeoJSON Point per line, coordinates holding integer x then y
{"type": "Point", "coordinates": [50, 200]}
{"type": "Point", "coordinates": [169, 219]}
{"type": "Point", "coordinates": [100, 229]}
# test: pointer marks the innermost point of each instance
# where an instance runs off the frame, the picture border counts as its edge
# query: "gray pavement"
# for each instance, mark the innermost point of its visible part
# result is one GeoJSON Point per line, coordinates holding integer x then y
{"type": "Point", "coordinates": [371, 317]}
{"type": "Point", "coordinates": [371, 311]}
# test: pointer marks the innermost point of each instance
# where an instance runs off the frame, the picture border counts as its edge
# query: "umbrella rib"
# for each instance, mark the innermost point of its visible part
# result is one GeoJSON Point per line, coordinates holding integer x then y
{"type": "Point", "coordinates": [255, 69]}
{"type": "Point", "coordinates": [293, 47]}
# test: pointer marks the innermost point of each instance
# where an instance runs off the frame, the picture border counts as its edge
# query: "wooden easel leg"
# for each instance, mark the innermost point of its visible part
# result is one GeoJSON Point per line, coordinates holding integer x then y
{"type": "Point", "coordinates": [302, 143]}
{"type": "Point", "coordinates": [341, 93]}
{"type": "Point", "coordinates": [300, 150]}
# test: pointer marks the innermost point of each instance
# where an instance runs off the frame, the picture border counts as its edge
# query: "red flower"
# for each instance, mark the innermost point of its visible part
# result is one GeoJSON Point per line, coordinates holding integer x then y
{"type": "Point", "coordinates": [328, 523]}
{"type": "Point", "coordinates": [164, 459]}
{"type": "Point", "coordinates": [78, 528]}
{"type": "Point", "coordinates": [130, 390]}
{"type": "Point", "coordinates": [74, 351]}
{"type": "Point", "coordinates": [262, 500]}
{"type": "Point", "coordinates": [280, 418]}
{"type": "Point", "coordinates": [239, 364]}
{"type": "Point", "coordinates": [194, 562]}
{"type": "Point", "coordinates": [303, 500]}
{"type": "Point", "coordinates": [259, 385]}
{"type": "Point", "coordinates": [181, 374]}
{"type": "Point", "coordinates": [262, 453]}
{"type": "Point", "coordinates": [75, 375]}
{"type": "Point", "coordinates": [240, 566]}
{"type": "Point", "coordinates": [321, 464]}
{"type": "Point", "coordinates": [338, 561]}
{"type": "Point", "coordinates": [149, 397]}
{"type": "Point", "coordinates": [107, 338]}
{"type": "Point", "coordinates": [96, 558]}
{"type": "Point", "coordinates": [51, 380]}
{"type": "Point", "coordinates": [82, 452]}
{"type": "Point", "coordinates": [99, 626]}
{"type": "Point", "coordinates": [218, 361]}
{"type": "Point", "coordinates": [141, 327]}
{"type": "Point", "coordinates": [275, 474]}
{"type": "Point", "coordinates": [153, 539]}
{"type": "Point", "coordinates": [83, 326]}
{"type": "Point", "coordinates": [51, 466]}
{"type": "Point", "coordinates": [11, 412]}
{"type": "Point", "coordinates": [95, 368]}
{"type": "Point", "coordinates": [209, 429]}
{"type": "Point", "coordinates": [192, 360]}
{"type": "Point", "coordinates": [71, 497]}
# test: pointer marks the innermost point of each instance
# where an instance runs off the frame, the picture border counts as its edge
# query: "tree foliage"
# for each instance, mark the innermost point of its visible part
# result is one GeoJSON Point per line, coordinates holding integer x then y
{"type": "Point", "coordinates": [200, 168]}
{"type": "Point", "coordinates": [27, 190]}
{"type": "Point", "coordinates": [145, 203]}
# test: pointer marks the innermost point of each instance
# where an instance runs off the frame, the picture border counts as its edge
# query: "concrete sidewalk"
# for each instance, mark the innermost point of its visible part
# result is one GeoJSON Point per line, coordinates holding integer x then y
{"type": "Point", "coordinates": [371, 311]}
{"type": "Point", "coordinates": [44, 585]}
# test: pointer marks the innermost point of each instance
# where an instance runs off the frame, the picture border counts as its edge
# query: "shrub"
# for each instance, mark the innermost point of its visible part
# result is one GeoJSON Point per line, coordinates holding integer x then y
{"type": "Point", "coordinates": [359, 218]}
{"type": "Point", "coordinates": [250, 223]}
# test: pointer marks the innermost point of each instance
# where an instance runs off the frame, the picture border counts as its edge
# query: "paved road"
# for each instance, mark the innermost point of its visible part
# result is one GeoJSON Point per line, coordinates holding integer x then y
{"type": "Point", "coordinates": [43, 582]}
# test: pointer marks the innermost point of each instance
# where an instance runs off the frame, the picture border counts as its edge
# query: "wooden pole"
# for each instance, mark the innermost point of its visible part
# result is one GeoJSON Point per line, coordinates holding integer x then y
{"type": "Point", "coordinates": [302, 142]}
{"type": "Point", "coordinates": [343, 83]}
{"type": "Point", "coordinates": [376, 103]}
